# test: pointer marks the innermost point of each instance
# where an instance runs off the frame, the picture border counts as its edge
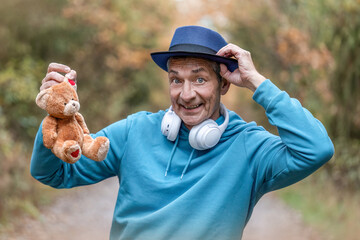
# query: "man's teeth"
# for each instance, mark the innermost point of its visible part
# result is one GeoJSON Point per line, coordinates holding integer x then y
{"type": "Point", "coordinates": [192, 107]}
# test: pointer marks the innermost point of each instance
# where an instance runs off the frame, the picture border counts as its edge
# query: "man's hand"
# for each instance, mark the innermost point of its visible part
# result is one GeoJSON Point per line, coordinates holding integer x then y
{"type": "Point", "coordinates": [54, 75]}
{"type": "Point", "coordinates": [246, 75]}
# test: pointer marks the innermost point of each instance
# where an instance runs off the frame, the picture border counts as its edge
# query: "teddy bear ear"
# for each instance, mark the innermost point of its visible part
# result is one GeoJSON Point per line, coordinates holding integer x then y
{"type": "Point", "coordinates": [42, 98]}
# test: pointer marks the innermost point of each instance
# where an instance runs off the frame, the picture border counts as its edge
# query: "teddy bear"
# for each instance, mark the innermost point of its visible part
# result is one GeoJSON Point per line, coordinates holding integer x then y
{"type": "Point", "coordinates": [64, 129]}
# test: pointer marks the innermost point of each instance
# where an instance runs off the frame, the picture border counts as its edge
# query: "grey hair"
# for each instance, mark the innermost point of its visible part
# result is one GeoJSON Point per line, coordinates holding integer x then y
{"type": "Point", "coordinates": [215, 65]}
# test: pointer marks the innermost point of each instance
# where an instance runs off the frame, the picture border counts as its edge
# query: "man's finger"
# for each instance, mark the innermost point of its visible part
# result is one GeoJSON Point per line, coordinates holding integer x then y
{"type": "Point", "coordinates": [223, 51]}
{"type": "Point", "coordinates": [232, 50]}
{"type": "Point", "coordinates": [233, 77]}
{"type": "Point", "coordinates": [48, 84]}
{"type": "Point", "coordinates": [224, 71]}
{"type": "Point", "coordinates": [53, 76]}
{"type": "Point", "coordinates": [58, 67]}
{"type": "Point", "coordinates": [71, 75]}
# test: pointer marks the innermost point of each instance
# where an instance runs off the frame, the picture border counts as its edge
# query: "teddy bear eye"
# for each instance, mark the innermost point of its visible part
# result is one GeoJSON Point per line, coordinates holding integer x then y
{"type": "Point", "coordinates": [65, 103]}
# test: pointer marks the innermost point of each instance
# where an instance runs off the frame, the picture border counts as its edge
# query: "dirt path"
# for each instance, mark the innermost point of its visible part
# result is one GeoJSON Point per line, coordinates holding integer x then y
{"type": "Point", "coordinates": [87, 212]}
{"type": "Point", "coordinates": [273, 219]}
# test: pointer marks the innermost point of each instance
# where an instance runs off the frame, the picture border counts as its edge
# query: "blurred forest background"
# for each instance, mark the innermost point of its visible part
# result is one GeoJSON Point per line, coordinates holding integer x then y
{"type": "Point", "coordinates": [309, 48]}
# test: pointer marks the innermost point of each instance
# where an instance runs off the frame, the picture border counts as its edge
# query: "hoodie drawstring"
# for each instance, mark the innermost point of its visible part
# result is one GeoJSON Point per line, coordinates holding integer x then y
{"type": "Point", "coordinates": [172, 155]}
{"type": "Point", "coordinates": [188, 163]}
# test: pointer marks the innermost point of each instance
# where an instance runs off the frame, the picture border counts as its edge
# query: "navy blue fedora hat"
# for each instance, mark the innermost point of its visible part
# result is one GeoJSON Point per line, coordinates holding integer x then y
{"type": "Point", "coordinates": [195, 41]}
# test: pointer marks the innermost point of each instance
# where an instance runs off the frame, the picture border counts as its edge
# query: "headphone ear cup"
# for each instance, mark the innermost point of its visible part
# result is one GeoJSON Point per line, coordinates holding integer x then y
{"type": "Point", "coordinates": [170, 125]}
{"type": "Point", "coordinates": [205, 135]}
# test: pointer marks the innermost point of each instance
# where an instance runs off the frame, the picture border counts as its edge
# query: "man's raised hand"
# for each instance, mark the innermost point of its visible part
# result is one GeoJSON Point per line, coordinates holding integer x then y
{"type": "Point", "coordinates": [246, 75]}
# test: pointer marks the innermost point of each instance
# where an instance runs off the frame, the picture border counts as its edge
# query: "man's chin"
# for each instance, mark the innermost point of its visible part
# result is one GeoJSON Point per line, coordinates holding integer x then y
{"type": "Point", "coordinates": [190, 123]}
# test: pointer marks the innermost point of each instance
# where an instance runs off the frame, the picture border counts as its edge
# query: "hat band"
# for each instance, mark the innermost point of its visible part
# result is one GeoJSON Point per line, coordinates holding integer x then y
{"type": "Point", "coordinates": [191, 48]}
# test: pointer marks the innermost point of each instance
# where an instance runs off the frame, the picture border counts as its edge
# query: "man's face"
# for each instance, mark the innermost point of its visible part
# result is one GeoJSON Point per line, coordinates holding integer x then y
{"type": "Point", "coordinates": [195, 90]}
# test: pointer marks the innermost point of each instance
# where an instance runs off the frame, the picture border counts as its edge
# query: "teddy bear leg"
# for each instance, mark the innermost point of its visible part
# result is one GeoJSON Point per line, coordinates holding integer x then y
{"type": "Point", "coordinates": [69, 151]}
{"type": "Point", "coordinates": [95, 149]}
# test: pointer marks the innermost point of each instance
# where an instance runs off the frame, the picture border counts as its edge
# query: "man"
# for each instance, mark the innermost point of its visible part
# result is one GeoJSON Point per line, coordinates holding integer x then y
{"type": "Point", "coordinates": [197, 170]}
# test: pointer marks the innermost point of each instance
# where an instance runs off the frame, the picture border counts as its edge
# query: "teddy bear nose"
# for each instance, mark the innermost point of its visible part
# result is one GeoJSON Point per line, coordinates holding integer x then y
{"type": "Point", "coordinates": [74, 104]}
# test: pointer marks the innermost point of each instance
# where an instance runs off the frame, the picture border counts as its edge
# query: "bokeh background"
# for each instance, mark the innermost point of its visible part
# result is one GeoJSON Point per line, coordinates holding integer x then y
{"type": "Point", "coordinates": [311, 49]}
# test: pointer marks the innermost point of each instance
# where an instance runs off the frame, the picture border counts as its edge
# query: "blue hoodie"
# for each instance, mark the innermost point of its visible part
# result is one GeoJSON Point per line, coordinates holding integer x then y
{"type": "Point", "coordinates": [220, 187]}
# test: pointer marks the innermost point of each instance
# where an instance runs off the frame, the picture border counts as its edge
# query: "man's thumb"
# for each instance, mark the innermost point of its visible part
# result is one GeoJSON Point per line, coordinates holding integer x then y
{"type": "Point", "coordinates": [224, 71]}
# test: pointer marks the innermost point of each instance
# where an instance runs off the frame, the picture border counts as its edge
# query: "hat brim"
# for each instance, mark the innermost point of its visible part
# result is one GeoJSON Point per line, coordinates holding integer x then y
{"type": "Point", "coordinates": [161, 58]}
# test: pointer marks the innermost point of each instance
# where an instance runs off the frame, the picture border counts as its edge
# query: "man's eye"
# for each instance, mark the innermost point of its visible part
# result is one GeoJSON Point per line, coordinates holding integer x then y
{"type": "Point", "coordinates": [175, 80]}
{"type": "Point", "coordinates": [200, 80]}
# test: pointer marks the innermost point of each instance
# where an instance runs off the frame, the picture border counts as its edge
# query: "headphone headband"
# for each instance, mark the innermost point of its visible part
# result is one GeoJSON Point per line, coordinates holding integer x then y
{"type": "Point", "coordinates": [224, 112]}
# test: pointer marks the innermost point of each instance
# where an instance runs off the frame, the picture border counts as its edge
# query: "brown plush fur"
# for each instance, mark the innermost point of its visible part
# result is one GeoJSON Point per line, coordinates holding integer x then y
{"type": "Point", "coordinates": [64, 129]}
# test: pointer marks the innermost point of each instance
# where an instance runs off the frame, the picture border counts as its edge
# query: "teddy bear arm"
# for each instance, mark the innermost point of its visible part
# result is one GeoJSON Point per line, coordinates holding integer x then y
{"type": "Point", "coordinates": [49, 131]}
{"type": "Point", "coordinates": [80, 119]}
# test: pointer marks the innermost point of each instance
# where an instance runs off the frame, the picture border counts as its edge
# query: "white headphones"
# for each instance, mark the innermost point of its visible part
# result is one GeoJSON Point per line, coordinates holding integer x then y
{"type": "Point", "coordinates": [202, 136]}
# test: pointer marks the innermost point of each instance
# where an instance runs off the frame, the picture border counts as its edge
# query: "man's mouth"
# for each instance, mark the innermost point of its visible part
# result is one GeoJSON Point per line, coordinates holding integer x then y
{"type": "Point", "coordinates": [191, 106]}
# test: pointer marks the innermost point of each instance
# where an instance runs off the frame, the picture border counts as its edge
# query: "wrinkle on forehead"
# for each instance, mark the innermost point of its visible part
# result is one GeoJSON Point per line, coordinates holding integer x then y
{"type": "Point", "coordinates": [198, 64]}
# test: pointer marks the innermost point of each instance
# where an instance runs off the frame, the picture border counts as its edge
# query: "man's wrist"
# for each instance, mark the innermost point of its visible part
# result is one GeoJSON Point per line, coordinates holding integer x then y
{"type": "Point", "coordinates": [256, 81]}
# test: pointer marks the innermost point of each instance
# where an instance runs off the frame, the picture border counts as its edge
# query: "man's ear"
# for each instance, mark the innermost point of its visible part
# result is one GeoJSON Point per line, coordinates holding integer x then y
{"type": "Point", "coordinates": [42, 98]}
{"type": "Point", "coordinates": [224, 86]}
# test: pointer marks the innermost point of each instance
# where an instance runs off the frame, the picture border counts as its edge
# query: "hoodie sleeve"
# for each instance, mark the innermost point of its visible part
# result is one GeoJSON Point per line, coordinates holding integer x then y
{"type": "Point", "coordinates": [302, 146]}
{"type": "Point", "coordinates": [50, 170]}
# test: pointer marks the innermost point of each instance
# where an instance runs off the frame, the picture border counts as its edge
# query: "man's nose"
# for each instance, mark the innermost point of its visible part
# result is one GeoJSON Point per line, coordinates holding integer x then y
{"type": "Point", "coordinates": [187, 92]}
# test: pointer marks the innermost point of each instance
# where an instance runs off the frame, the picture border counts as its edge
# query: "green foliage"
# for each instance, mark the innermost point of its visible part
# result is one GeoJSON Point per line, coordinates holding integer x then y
{"type": "Point", "coordinates": [344, 40]}
{"type": "Point", "coordinates": [345, 82]}
{"type": "Point", "coordinates": [18, 88]}
{"type": "Point", "coordinates": [33, 28]}
{"type": "Point", "coordinates": [344, 169]}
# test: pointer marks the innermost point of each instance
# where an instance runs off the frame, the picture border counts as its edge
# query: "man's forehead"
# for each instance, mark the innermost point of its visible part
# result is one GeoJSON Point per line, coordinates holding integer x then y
{"type": "Point", "coordinates": [194, 64]}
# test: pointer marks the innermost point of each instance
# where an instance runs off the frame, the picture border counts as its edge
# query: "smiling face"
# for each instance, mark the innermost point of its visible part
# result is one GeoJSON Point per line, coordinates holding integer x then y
{"type": "Point", "coordinates": [195, 90]}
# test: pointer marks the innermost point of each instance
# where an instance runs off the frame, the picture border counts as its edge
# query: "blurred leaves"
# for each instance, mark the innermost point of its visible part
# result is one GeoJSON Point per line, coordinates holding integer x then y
{"type": "Point", "coordinates": [345, 83]}
{"type": "Point", "coordinates": [18, 86]}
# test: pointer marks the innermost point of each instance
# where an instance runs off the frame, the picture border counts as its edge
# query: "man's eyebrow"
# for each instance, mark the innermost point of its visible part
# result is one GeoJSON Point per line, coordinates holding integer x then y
{"type": "Point", "coordinates": [173, 71]}
{"type": "Point", "coordinates": [200, 69]}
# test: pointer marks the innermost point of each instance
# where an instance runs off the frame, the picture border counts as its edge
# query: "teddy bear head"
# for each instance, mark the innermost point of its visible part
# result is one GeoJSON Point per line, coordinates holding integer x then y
{"type": "Point", "coordinates": [60, 101]}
